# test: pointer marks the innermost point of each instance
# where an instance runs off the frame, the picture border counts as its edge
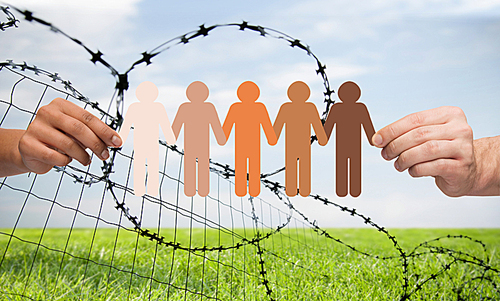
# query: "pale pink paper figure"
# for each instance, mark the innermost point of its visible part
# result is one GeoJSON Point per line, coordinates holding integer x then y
{"type": "Point", "coordinates": [147, 116]}
{"type": "Point", "coordinates": [197, 116]}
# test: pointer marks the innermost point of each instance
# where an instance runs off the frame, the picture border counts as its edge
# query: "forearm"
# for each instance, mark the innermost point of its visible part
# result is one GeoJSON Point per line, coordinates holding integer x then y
{"type": "Point", "coordinates": [487, 155]}
{"type": "Point", "coordinates": [11, 162]}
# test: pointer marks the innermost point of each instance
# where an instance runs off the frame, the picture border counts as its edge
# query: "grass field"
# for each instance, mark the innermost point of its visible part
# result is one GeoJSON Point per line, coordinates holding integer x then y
{"type": "Point", "coordinates": [299, 264]}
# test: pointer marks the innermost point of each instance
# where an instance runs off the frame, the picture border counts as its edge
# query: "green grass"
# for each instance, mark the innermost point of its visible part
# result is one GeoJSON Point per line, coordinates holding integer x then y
{"type": "Point", "coordinates": [299, 264]}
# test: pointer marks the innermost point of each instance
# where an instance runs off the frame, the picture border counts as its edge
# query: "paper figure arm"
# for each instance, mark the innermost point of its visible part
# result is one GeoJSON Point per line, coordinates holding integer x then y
{"type": "Point", "coordinates": [330, 122]}
{"type": "Point", "coordinates": [279, 122]}
{"type": "Point", "coordinates": [165, 125]}
{"type": "Point", "coordinates": [267, 125]}
{"type": "Point", "coordinates": [367, 124]}
{"type": "Point", "coordinates": [318, 127]}
{"type": "Point", "coordinates": [127, 123]}
{"type": "Point", "coordinates": [229, 121]}
{"type": "Point", "coordinates": [216, 127]}
{"type": "Point", "coordinates": [178, 121]}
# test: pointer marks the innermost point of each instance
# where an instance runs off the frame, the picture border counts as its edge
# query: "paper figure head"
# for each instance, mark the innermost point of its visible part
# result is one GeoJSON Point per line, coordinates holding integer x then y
{"type": "Point", "coordinates": [349, 92]}
{"type": "Point", "coordinates": [146, 92]}
{"type": "Point", "coordinates": [197, 92]}
{"type": "Point", "coordinates": [248, 92]}
{"type": "Point", "coordinates": [299, 92]}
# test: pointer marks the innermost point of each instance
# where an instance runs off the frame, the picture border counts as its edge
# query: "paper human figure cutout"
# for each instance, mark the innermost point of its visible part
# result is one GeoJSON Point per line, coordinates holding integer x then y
{"type": "Point", "coordinates": [298, 116]}
{"type": "Point", "coordinates": [147, 116]}
{"type": "Point", "coordinates": [349, 116]}
{"type": "Point", "coordinates": [197, 116]}
{"type": "Point", "coordinates": [248, 116]}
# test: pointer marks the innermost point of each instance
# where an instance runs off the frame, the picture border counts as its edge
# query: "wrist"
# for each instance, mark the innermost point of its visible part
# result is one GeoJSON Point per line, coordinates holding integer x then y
{"type": "Point", "coordinates": [11, 160]}
{"type": "Point", "coordinates": [487, 156]}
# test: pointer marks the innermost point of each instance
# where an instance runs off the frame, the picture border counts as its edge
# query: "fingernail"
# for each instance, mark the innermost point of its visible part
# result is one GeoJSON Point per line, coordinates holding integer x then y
{"type": "Point", "coordinates": [105, 154]}
{"type": "Point", "coordinates": [377, 139]}
{"type": "Point", "coordinates": [396, 165]}
{"type": "Point", "coordinates": [116, 141]}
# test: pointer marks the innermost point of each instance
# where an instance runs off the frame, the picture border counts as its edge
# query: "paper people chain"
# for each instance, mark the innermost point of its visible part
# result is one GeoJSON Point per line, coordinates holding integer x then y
{"type": "Point", "coordinates": [248, 116]}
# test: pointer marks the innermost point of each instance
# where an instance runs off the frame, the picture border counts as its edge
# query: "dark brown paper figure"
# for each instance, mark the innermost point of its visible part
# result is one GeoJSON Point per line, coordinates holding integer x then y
{"type": "Point", "coordinates": [197, 116]}
{"type": "Point", "coordinates": [247, 117]}
{"type": "Point", "coordinates": [147, 116]}
{"type": "Point", "coordinates": [298, 116]}
{"type": "Point", "coordinates": [349, 116]}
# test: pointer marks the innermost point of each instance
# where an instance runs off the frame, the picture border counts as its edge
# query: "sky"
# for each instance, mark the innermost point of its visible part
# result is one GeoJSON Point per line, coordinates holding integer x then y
{"type": "Point", "coordinates": [406, 56]}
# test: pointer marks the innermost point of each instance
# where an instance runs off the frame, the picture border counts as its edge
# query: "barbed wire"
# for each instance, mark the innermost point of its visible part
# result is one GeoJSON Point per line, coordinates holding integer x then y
{"type": "Point", "coordinates": [11, 20]}
{"type": "Point", "coordinates": [412, 283]}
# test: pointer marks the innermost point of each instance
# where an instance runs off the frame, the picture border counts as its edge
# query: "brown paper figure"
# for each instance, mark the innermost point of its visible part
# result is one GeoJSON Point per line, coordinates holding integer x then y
{"type": "Point", "coordinates": [146, 116]}
{"type": "Point", "coordinates": [298, 117]}
{"type": "Point", "coordinates": [197, 117]}
{"type": "Point", "coordinates": [349, 117]}
{"type": "Point", "coordinates": [248, 116]}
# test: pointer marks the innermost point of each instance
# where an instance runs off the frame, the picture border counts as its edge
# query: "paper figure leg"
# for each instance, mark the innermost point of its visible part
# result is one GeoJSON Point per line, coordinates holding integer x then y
{"type": "Point", "coordinates": [254, 177]}
{"type": "Point", "coordinates": [189, 175]}
{"type": "Point", "coordinates": [341, 175]}
{"type": "Point", "coordinates": [355, 177]}
{"type": "Point", "coordinates": [240, 176]}
{"type": "Point", "coordinates": [305, 176]}
{"type": "Point", "coordinates": [139, 174]}
{"type": "Point", "coordinates": [203, 177]}
{"type": "Point", "coordinates": [291, 177]}
{"type": "Point", "coordinates": [153, 175]}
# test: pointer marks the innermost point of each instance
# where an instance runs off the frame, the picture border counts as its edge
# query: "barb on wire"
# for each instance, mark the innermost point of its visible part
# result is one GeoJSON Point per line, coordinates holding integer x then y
{"type": "Point", "coordinates": [10, 21]}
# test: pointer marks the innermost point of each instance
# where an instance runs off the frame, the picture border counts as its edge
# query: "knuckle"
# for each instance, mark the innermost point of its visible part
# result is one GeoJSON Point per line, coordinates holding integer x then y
{"type": "Point", "coordinates": [421, 134]}
{"type": "Point", "coordinates": [47, 156]}
{"type": "Point", "coordinates": [98, 147]}
{"type": "Point", "coordinates": [392, 148]}
{"type": "Point", "coordinates": [57, 101]}
{"type": "Point", "coordinates": [414, 171]}
{"type": "Point", "coordinates": [43, 111]}
{"type": "Point", "coordinates": [466, 131]}
{"type": "Point", "coordinates": [456, 111]}
{"type": "Point", "coordinates": [403, 159]}
{"type": "Point", "coordinates": [87, 117]}
{"type": "Point", "coordinates": [67, 144]}
{"type": "Point", "coordinates": [392, 131]}
{"type": "Point", "coordinates": [416, 119]}
{"type": "Point", "coordinates": [77, 127]}
{"type": "Point", "coordinates": [431, 147]}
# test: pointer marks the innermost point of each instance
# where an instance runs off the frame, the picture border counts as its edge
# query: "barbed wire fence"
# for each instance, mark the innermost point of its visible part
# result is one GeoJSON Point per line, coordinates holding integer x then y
{"type": "Point", "coordinates": [256, 275]}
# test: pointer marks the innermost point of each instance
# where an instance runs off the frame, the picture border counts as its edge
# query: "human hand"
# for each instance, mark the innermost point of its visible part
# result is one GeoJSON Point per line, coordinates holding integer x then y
{"type": "Point", "coordinates": [61, 132]}
{"type": "Point", "coordinates": [437, 143]}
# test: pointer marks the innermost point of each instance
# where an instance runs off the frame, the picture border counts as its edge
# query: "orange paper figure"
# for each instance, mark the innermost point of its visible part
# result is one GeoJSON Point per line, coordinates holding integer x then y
{"type": "Point", "coordinates": [197, 117]}
{"type": "Point", "coordinates": [349, 117]}
{"type": "Point", "coordinates": [298, 117]}
{"type": "Point", "coordinates": [146, 116]}
{"type": "Point", "coordinates": [248, 116]}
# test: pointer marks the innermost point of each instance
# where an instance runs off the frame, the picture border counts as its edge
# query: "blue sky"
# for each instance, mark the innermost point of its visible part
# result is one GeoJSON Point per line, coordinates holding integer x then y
{"type": "Point", "coordinates": [406, 56]}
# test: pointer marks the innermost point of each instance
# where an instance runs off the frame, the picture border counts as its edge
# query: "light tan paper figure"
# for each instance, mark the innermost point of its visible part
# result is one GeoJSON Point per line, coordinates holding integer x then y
{"type": "Point", "coordinates": [298, 116]}
{"type": "Point", "coordinates": [146, 116]}
{"type": "Point", "coordinates": [197, 117]}
{"type": "Point", "coordinates": [247, 116]}
{"type": "Point", "coordinates": [349, 116]}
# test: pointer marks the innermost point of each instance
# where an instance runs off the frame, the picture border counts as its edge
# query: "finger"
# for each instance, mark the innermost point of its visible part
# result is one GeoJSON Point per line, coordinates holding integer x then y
{"type": "Point", "coordinates": [81, 133]}
{"type": "Point", "coordinates": [101, 130]}
{"type": "Point", "coordinates": [39, 152]}
{"type": "Point", "coordinates": [416, 137]}
{"type": "Point", "coordinates": [435, 116]}
{"type": "Point", "coordinates": [63, 143]}
{"type": "Point", "coordinates": [428, 151]}
{"type": "Point", "coordinates": [435, 168]}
